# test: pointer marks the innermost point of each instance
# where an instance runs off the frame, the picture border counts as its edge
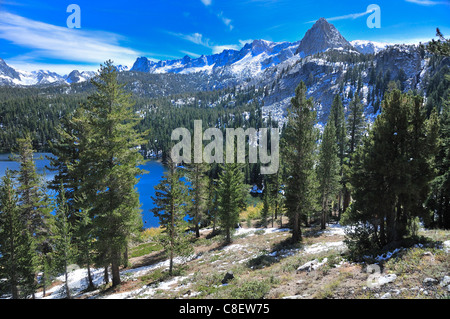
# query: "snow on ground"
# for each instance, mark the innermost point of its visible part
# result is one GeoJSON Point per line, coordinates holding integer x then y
{"type": "Point", "coordinates": [320, 247]}
{"type": "Point", "coordinates": [447, 246]}
{"type": "Point", "coordinates": [251, 231]}
{"type": "Point", "coordinates": [78, 278]}
{"type": "Point", "coordinates": [148, 291]}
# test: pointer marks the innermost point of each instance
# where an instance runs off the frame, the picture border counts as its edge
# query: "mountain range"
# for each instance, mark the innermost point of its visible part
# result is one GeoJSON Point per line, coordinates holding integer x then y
{"type": "Point", "coordinates": [253, 58]}
{"type": "Point", "coordinates": [323, 59]}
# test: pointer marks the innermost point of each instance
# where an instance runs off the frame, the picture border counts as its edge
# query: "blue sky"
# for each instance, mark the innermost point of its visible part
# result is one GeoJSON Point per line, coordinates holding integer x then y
{"type": "Point", "coordinates": [34, 34]}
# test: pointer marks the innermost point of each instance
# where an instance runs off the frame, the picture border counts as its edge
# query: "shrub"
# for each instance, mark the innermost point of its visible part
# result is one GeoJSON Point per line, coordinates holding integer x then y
{"type": "Point", "coordinates": [255, 289]}
{"type": "Point", "coordinates": [360, 242]}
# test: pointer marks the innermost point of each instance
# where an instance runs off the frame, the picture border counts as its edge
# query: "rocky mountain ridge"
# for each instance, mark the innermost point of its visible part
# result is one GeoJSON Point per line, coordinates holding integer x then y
{"type": "Point", "coordinates": [251, 60]}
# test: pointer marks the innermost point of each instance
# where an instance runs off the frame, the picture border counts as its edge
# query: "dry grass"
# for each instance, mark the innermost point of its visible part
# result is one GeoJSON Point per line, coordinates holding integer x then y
{"type": "Point", "coordinates": [265, 264]}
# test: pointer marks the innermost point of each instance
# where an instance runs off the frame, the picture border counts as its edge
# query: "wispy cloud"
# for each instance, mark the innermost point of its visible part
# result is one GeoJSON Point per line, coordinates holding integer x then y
{"type": "Point", "coordinates": [206, 2]}
{"type": "Point", "coordinates": [219, 48]}
{"type": "Point", "coordinates": [199, 39]}
{"type": "Point", "coordinates": [225, 20]}
{"type": "Point", "coordinates": [196, 38]}
{"type": "Point", "coordinates": [192, 54]}
{"type": "Point", "coordinates": [244, 42]}
{"type": "Point", "coordinates": [345, 17]}
{"type": "Point", "coordinates": [47, 41]}
{"type": "Point", "coordinates": [429, 2]}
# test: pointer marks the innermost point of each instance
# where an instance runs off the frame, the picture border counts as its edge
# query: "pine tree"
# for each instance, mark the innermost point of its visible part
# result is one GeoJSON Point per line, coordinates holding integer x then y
{"type": "Point", "coordinates": [328, 169]}
{"type": "Point", "coordinates": [196, 175]}
{"type": "Point", "coordinates": [170, 207]}
{"type": "Point", "coordinates": [29, 187]}
{"type": "Point", "coordinates": [392, 171]}
{"type": "Point", "coordinates": [84, 238]}
{"type": "Point", "coordinates": [66, 151]}
{"type": "Point", "coordinates": [266, 206]}
{"type": "Point", "coordinates": [35, 211]}
{"type": "Point", "coordinates": [11, 228]}
{"type": "Point", "coordinates": [337, 115]}
{"type": "Point", "coordinates": [441, 46]}
{"type": "Point", "coordinates": [230, 197]}
{"type": "Point", "coordinates": [355, 131]}
{"type": "Point", "coordinates": [300, 146]}
{"type": "Point", "coordinates": [109, 165]}
{"type": "Point", "coordinates": [274, 184]}
{"type": "Point", "coordinates": [62, 236]}
{"type": "Point", "coordinates": [355, 124]}
{"type": "Point", "coordinates": [212, 204]}
{"type": "Point", "coordinates": [439, 198]}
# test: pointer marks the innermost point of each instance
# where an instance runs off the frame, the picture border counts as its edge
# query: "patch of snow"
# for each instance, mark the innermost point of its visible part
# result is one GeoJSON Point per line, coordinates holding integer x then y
{"type": "Point", "coordinates": [447, 246]}
{"type": "Point", "coordinates": [320, 247]}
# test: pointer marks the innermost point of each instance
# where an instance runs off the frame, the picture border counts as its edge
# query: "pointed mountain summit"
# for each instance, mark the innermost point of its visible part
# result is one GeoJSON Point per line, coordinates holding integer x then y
{"type": "Point", "coordinates": [7, 73]}
{"type": "Point", "coordinates": [320, 37]}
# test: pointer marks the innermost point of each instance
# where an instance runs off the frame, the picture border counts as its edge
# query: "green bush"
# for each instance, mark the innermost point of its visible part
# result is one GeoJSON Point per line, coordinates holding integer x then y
{"type": "Point", "coordinates": [360, 243]}
{"type": "Point", "coordinates": [255, 289]}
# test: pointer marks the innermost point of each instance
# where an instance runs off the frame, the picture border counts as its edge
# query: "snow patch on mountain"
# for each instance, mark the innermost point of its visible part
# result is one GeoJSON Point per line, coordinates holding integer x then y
{"type": "Point", "coordinates": [369, 47]}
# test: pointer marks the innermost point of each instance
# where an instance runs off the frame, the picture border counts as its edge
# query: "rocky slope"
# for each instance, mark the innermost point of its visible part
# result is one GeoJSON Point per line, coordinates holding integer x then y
{"type": "Point", "coordinates": [261, 263]}
{"type": "Point", "coordinates": [321, 37]}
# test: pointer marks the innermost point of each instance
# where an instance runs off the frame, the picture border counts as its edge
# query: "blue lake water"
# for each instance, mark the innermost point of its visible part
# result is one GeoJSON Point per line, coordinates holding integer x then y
{"type": "Point", "coordinates": [145, 185]}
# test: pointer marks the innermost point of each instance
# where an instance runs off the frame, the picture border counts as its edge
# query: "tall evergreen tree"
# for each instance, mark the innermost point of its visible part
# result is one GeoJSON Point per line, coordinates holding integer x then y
{"type": "Point", "coordinates": [63, 237]}
{"type": "Point", "coordinates": [66, 149]}
{"type": "Point", "coordinates": [196, 175]}
{"type": "Point", "coordinates": [355, 124]}
{"type": "Point", "coordinates": [439, 199]}
{"type": "Point", "coordinates": [109, 164]}
{"type": "Point", "coordinates": [300, 146]}
{"type": "Point", "coordinates": [328, 169]}
{"type": "Point", "coordinates": [266, 206]}
{"type": "Point", "coordinates": [84, 239]}
{"type": "Point", "coordinates": [355, 132]}
{"type": "Point", "coordinates": [11, 239]}
{"type": "Point", "coordinates": [337, 115]}
{"type": "Point", "coordinates": [35, 210]}
{"type": "Point", "coordinates": [230, 197]}
{"type": "Point", "coordinates": [29, 187]}
{"type": "Point", "coordinates": [392, 172]}
{"type": "Point", "coordinates": [170, 207]}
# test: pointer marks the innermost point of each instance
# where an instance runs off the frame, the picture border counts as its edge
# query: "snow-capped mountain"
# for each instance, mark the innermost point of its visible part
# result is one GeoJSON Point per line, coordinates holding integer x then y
{"type": "Point", "coordinates": [321, 37]}
{"type": "Point", "coordinates": [10, 76]}
{"type": "Point", "coordinates": [76, 76]}
{"type": "Point", "coordinates": [250, 60]}
{"type": "Point", "coordinates": [279, 66]}
{"type": "Point", "coordinates": [369, 47]}
{"type": "Point", "coordinates": [7, 74]}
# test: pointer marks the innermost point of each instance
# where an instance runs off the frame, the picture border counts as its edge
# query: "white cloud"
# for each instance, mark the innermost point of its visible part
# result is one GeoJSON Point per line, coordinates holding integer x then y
{"type": "Point", "coordinates": [206, 2]}
{"type": "Point", "coordinates": [191, 54]}
{"type": "Point", "coordinates": [219, 48]}
{"type": "Point", "coordinates": [244, 42]}
{"type": "Point", "coordinates": [225, 20]}
{"type": "Point", "coordinates": [428, 2]}
{"type": "Point", "coordinates": [196, 38]}
{"type": "Point", "coordinates": [48, 41]}
{"type": "Point", "coordinates": [199, 39]}
{"type": "Point", "coordinates": [345, 17]}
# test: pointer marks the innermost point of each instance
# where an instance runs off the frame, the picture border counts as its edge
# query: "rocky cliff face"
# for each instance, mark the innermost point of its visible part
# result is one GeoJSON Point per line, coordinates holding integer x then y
{"type": "Point", "coordinates": [7, 73]}
{"type": "Point", "coordinates": [321, 37]}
